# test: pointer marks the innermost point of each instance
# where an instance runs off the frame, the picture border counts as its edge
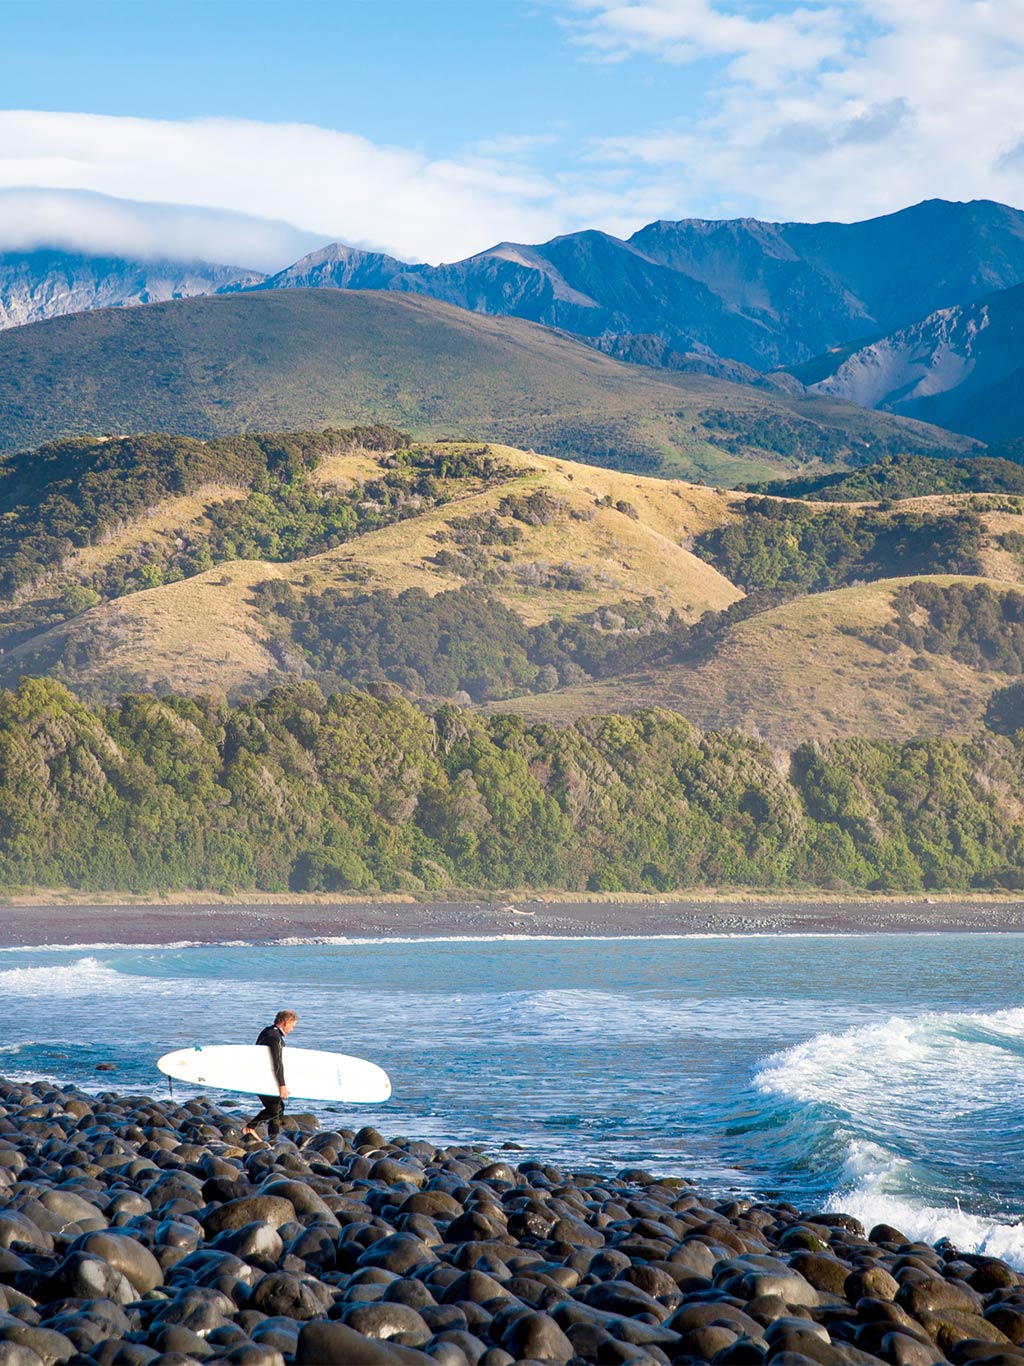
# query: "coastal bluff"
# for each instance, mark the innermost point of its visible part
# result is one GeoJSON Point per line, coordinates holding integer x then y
{"type": "Point", "coordinates": [137, 1231]}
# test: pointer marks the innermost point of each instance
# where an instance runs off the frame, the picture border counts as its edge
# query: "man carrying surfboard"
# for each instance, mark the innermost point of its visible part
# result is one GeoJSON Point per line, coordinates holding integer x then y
{"type": "Point", "coordinates": [273, 1038]}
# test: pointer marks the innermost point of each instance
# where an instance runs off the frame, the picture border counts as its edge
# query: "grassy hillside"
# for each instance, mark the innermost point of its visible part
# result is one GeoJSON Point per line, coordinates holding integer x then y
{"type": "Point", "coordinates": [816, 666]}
{"type": "Point", "coordinates": [490, 575]}
{"type": "Point", "coordinates": [542, 538]}
{"type": "Point", "coordinates": [309, 358]}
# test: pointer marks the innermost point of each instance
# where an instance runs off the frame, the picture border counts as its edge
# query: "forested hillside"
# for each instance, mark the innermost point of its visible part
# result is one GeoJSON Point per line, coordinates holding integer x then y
{"type": "Point", "coordinates": [366, 792]}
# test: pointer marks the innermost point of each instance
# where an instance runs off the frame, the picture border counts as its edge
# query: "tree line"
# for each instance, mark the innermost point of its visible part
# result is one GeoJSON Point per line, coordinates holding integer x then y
{"type": "Point", "coordinates": [363, 791]}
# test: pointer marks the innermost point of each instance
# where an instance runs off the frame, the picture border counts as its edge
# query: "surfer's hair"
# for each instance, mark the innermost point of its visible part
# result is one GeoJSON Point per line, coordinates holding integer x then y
{"type": "Point", "coordinates": [285, 1017]}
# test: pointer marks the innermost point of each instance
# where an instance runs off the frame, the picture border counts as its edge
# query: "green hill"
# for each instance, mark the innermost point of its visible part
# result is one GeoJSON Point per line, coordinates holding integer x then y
{"type": "Point", "coordinates": [310, 358]}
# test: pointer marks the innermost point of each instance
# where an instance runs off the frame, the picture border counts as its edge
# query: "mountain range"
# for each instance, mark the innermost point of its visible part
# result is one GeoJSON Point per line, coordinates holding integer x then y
{"type": "Point", "coordinates": [763, 294]}
{"type": "Point", "coordinates": [914, 312]}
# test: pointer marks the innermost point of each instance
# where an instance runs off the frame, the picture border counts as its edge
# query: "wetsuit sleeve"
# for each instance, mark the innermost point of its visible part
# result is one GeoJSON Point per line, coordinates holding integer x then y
{"type": "Point", "coordinates": [271, 1038]}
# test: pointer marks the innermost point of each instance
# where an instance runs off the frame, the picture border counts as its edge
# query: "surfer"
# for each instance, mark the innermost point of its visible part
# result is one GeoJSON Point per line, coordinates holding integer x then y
{"type": "Point", "coordinates": [273, 1037]}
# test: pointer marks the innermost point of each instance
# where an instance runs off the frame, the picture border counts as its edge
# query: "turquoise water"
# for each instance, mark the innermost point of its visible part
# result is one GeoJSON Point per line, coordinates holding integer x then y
{"type": "Point", "coordinates": [881, 1074]}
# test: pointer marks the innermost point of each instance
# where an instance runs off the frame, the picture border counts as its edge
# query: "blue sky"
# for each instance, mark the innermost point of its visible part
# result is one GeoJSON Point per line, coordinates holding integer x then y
{"type": "Point", "coordinates": [433, 128]}
{"type": "Point", "coordinates": [432, 74]}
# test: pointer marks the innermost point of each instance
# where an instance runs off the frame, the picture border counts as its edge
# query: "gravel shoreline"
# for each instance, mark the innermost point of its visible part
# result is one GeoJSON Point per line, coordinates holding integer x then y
{"type": "Point", "coordinates": [142, 1232]}
{"type": "Point", "coordinates": [266, 921]}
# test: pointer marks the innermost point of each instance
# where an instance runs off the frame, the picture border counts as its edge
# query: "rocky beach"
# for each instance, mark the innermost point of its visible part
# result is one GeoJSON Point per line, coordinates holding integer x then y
{"type": "Point", "coordinates": [137, 1231]}
{"type": "Point", "coordinates": [71, 919]}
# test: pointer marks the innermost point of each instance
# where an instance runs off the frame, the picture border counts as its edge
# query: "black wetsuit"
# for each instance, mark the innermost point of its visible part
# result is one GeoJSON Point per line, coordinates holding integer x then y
{"type": "Point", "coordinates": [273, 1106]}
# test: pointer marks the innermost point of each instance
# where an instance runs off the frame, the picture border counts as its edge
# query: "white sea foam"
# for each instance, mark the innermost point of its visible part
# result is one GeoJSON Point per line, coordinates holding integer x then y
{"type": "Point", "coordinates": [870, 1192]}
{"type": "Point", "coordinates": [904, 1090]}
{"type": "Point", "coordinates": [85, 977]}
{"type": "Point", "coordinates": [384, 939]}
{"type": "Point", "coordinates": [943, 1064]}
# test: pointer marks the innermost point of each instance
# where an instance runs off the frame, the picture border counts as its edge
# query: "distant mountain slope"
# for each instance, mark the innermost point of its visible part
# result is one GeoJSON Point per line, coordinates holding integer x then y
{"type": "Point", "coordinates": [763, 294]}
{"type": "Point", "coordinates": [961, 367]}
{"type": "Point", "coordinates": [307, 358]}
{"type": "Point", "coordinates": [49, 283]}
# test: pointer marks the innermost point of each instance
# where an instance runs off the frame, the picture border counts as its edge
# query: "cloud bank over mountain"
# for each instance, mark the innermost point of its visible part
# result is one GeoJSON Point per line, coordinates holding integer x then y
{"type": "Point", "coordinates": [99, 225]}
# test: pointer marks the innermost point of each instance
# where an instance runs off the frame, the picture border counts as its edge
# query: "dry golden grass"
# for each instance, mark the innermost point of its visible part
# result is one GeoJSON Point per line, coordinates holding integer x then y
{"type": "Point", "coordinates": [160, 523]}
{"type": "Point", "coordinates": [348, 468]}
{"type": "Point", "coordinates": [629, 559]}
{"type": "Point", "coordinates": [802, 669]}
{"type": "Point", "coordinates": [206, 632]}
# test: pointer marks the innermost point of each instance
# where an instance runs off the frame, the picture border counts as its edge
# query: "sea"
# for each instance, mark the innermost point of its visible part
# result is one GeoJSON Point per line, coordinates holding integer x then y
{"type": "Point", "coordinates": [881, 1075]}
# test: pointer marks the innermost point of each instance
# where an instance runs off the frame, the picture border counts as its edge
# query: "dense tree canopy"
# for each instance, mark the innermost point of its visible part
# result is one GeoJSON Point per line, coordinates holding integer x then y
{"type": "Point", "coordinates": [905, 476]}
{"type": "Point", "coordinates": [363, 791]}
{"type": "Point", "coordinates": [775, 544]}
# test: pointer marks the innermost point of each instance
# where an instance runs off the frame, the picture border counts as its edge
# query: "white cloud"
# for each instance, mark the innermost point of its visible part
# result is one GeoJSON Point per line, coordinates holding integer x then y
{"type": "Point", "coordinates": [330, 184]}
{"type": "Point", "coordinates": [762, 51]}
{"type": "Point", "coordinates": [828, 111]}
{"type": "Point", "coordinates": [96, 224]}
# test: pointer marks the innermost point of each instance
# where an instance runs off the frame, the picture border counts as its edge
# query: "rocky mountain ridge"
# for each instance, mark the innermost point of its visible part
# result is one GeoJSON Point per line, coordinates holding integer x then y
{"type": "Point", "coordinates": [49, 283]}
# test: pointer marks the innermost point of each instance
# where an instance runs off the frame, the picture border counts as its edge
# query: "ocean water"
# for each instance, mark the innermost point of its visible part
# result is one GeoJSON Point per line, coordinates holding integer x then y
{"type": "Point", "coordinates": [878, 1074]}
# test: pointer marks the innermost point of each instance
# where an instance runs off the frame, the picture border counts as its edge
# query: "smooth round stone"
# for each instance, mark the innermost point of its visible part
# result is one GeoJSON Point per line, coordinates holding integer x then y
{"type": "Point", "coordinates": [84, 1276]}
{"type": "Point", "coordinates": [398, 1252]}
{"type": "Point", "coordinates": [304, 1201]}
{"type": "Point", "coordinates": [253, 1354]}
{"type": "Point", "coordinates": [791, 1287]}
{"type": "Point", "coordinates": [439, 1318]}
{"type": "Point", "coordinates": [199, 1309]}
{"type": "Point", "coordinates": [937, 1293]}
{"type": "Point", "coordinates": [135, 1262]}
{"type": "Point", "coordinates": [71, 1207]}
{"type": "Point", "coordinates": [336, 1344]}
{"type": "Point", "coordinates": [387, 1320]}
{"type": "Point", "coordinates": [704, 1344]}
{"type": "Point", "coordinates": [822, 1271]}
{"type": "Point", "coordinates": [872, 1282]}
{"type": "Point", "coordinates": [474, 1286]}
{"type": "Point", "coordinates": [48, 1346]}
{"type": "Point", "coordinates": [175, 1337]}
{"type": "Point", "coordinates": [17, 1228]}
{"type": "Point", "coordinates": [254, 1240]}
{"type": "Point", "coordinates": [266, 1209]}
{"type": "Point", "coordinates": [537, 1337]}
{"type": "Point", "coordinates": [903, 1350]}
{"type": "Point", "coordinates": [500, 1173]}
{"type": "Point", "coordinates": [280, 1294]}
{"type": "Point", "coordinates": [411, 1292]}
{"type": "Point", "coordinates": [435, 1204]}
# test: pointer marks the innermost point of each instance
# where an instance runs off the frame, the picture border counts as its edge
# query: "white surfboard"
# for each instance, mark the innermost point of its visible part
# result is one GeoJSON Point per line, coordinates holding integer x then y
{"type": "Point", "coordinates": [309, 1074]}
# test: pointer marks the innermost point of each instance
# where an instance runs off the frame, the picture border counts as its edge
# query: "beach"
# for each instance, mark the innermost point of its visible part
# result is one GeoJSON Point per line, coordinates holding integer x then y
{"type": "Point", "coordinates": [138, 1232]}
{"type": "Point", "coordinates": [35, 920]}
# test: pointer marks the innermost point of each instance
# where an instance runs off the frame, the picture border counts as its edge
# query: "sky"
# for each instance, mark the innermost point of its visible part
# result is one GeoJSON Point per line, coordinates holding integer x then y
{"type": "Point", "coordinates": [250, 132]}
